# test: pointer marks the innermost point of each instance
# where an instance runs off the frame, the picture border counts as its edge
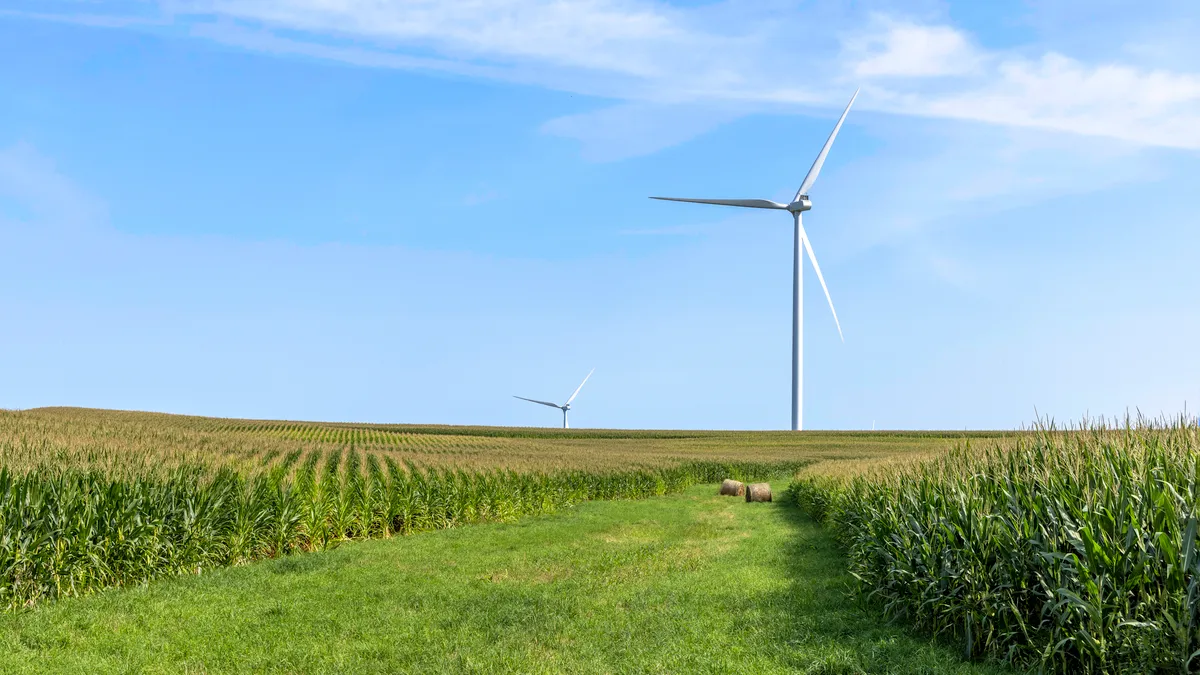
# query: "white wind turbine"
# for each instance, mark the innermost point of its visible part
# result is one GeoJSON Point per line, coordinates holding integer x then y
{"type": "Point", "coordinates": [799, 204]}
{"type": "Point", "coordinates": [566, 406]}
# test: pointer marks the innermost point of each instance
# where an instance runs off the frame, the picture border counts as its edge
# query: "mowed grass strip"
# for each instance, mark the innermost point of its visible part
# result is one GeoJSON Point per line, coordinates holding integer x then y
{"type": "Point", "coordinates": [685, 583]}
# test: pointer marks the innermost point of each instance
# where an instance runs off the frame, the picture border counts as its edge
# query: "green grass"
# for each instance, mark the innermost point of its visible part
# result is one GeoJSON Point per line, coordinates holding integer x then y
{"type": "Point", "coordinates": [685, 583]}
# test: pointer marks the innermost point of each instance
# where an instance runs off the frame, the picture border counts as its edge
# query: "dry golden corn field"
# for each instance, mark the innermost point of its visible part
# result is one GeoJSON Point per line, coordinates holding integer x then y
{"type": "Point", "coordinates": [136, 443]}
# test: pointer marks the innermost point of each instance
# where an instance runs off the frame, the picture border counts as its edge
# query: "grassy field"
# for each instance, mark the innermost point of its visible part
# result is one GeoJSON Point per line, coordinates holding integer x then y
{"type": "Point", "coordinates": [684, 583]}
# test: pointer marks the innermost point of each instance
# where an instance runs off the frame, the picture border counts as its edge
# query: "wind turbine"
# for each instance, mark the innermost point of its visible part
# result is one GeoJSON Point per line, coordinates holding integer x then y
{"type": "Point", "coordinates": [799, 204]}
{"type": "Point", "coordinates": [566, 406]}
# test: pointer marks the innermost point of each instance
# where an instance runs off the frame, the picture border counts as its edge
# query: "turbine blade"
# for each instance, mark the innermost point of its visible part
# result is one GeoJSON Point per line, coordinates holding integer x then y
{"type": "Point", "coordinates": [813, 257]}
{"type": "Point", "coordinates": [816, 167]}
{"type": "Point", "coordinates": [552, 405]}
{"type": "Point", "coordinates": [579, 387]}
{"type": "Point", "coordinates": [748, 203]}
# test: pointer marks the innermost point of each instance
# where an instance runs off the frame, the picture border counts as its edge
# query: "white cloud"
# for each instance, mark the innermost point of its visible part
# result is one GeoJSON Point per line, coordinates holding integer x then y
{"type": "Point", "coordinates": [938, 177]}
{"type": "Point", "coordinates": [1058, 93]}
{"type": "Point", "coordinates": [265, 41]}
{"type": "Point", "coordinates": [649, 56]}
{"type": "Point", "coordinates": [910, 50]}
{"type": "Point", "coordinates": [658, 58]}
{"type": "Point", "coordinates": [610, 35]}
{"type": "Point", "coordinates": [628, 50]}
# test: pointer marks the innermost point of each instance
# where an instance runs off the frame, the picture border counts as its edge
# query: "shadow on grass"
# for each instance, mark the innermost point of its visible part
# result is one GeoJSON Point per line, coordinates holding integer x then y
{"type": "Point", "coordinates": [824, 618]}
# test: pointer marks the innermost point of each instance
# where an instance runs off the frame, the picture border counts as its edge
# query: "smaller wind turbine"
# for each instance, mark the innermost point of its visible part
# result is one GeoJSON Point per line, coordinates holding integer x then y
{"type": "Point", "coordinates": [566, 406]}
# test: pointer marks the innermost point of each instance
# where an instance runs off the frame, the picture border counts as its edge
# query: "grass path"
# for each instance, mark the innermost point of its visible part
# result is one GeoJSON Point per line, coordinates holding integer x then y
{"type": "Point", "coordinates": [687, 583]}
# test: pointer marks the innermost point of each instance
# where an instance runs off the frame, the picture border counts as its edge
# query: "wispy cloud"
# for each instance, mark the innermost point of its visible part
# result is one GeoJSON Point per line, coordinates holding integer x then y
{"type": "Point", "coordinates": [82, 19]}
{"type": "Point", "coordinates": [42, 194]}
{"type": "Point", "coordinates": [938, 178]}
{"type": "Point", "coordinates": [904, 49]}
{"type": "Point", "coordinates": [730, 56]}
{"type": "Point", "coordinates": [595, 34]}
{"type": "Point", "coordinates": [1058, 93]}
{"type": "Point", "coordinates": [261, 40]}
{"type": "Point", "coordinates": [632, 129]}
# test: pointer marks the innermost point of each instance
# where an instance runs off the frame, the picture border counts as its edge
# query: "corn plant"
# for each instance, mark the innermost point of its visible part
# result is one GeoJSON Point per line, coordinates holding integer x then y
{"type": "Point", "coordinates": [1072, 552]}
{"type": "Point", "coordinates": [66, 532]}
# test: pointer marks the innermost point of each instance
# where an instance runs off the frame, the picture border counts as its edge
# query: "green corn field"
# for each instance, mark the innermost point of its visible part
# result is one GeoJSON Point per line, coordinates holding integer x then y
{"type": "Point", "coordinates": [93, 499]}
{"type": "Point", "coordinates": [1066, 551]}
{"type": "Point", "coordinates": [68, 532]}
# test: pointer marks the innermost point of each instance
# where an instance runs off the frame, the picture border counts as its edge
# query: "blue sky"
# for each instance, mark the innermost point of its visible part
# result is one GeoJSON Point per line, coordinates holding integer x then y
{"type": "Point", "coordinates": [409, 211]}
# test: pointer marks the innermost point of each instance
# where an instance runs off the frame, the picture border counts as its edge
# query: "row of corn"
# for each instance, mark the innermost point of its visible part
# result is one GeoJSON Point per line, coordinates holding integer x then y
{"type": "Point", "coordinates": [69, 532]}
{"type": "Point", "coordinates": [1072, 552]}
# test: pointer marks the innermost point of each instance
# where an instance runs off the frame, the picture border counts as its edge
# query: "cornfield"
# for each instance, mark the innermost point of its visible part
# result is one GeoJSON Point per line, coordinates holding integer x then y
{"type": "Point", "coordinates": [69, 532]}
{"type": "Point", "coordinates": [137, 444]}
{"type": "Point", "coordinates": [93, 499]}
{"type": "Point", "coordinates": [1067, 551]}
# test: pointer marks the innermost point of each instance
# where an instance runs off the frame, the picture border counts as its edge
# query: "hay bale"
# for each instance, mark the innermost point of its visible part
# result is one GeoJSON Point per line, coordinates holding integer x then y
{"type": "Point", "coordinates": [733, 488]}
{"type": "Point", "coordinates": [758, 492]}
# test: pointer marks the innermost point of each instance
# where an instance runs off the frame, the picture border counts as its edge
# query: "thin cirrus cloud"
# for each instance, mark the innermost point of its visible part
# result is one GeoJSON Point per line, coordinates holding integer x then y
{"type": "Point", "coordinates": [637, 128]}
{"type": "Point", "coordinates": [666, 62]}
{"type": "Point", "coordinates": [31, 181]}
{"type": "Point", "coordinates": [597, 34]}
{"type": "Point", "coordinates": [1055, 92]}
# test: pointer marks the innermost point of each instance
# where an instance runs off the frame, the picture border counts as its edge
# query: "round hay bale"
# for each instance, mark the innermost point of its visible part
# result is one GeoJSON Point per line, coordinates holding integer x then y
{"type": "Point", "coordinates": [733, 488]}
{"type": "Point", "coordinates": [758, 492]}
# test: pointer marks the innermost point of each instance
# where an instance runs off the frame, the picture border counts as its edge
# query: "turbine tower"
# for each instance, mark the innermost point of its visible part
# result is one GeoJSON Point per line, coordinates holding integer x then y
{"type": "Point", "coordinates": [799, 204]}
{"type": "Point", "coordinates": [566, 406]}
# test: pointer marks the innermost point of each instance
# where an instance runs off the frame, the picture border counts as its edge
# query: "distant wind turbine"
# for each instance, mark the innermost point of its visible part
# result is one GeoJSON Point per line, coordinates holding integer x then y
{"type": "Point", "coordinates": [566, 406]}
{"type": "Point", "coordinates": [799, 204]}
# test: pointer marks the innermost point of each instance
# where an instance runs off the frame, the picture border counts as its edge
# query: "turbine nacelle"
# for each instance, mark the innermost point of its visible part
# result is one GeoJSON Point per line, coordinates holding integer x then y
{"type": "Point", "coordinates": [801, 205]}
